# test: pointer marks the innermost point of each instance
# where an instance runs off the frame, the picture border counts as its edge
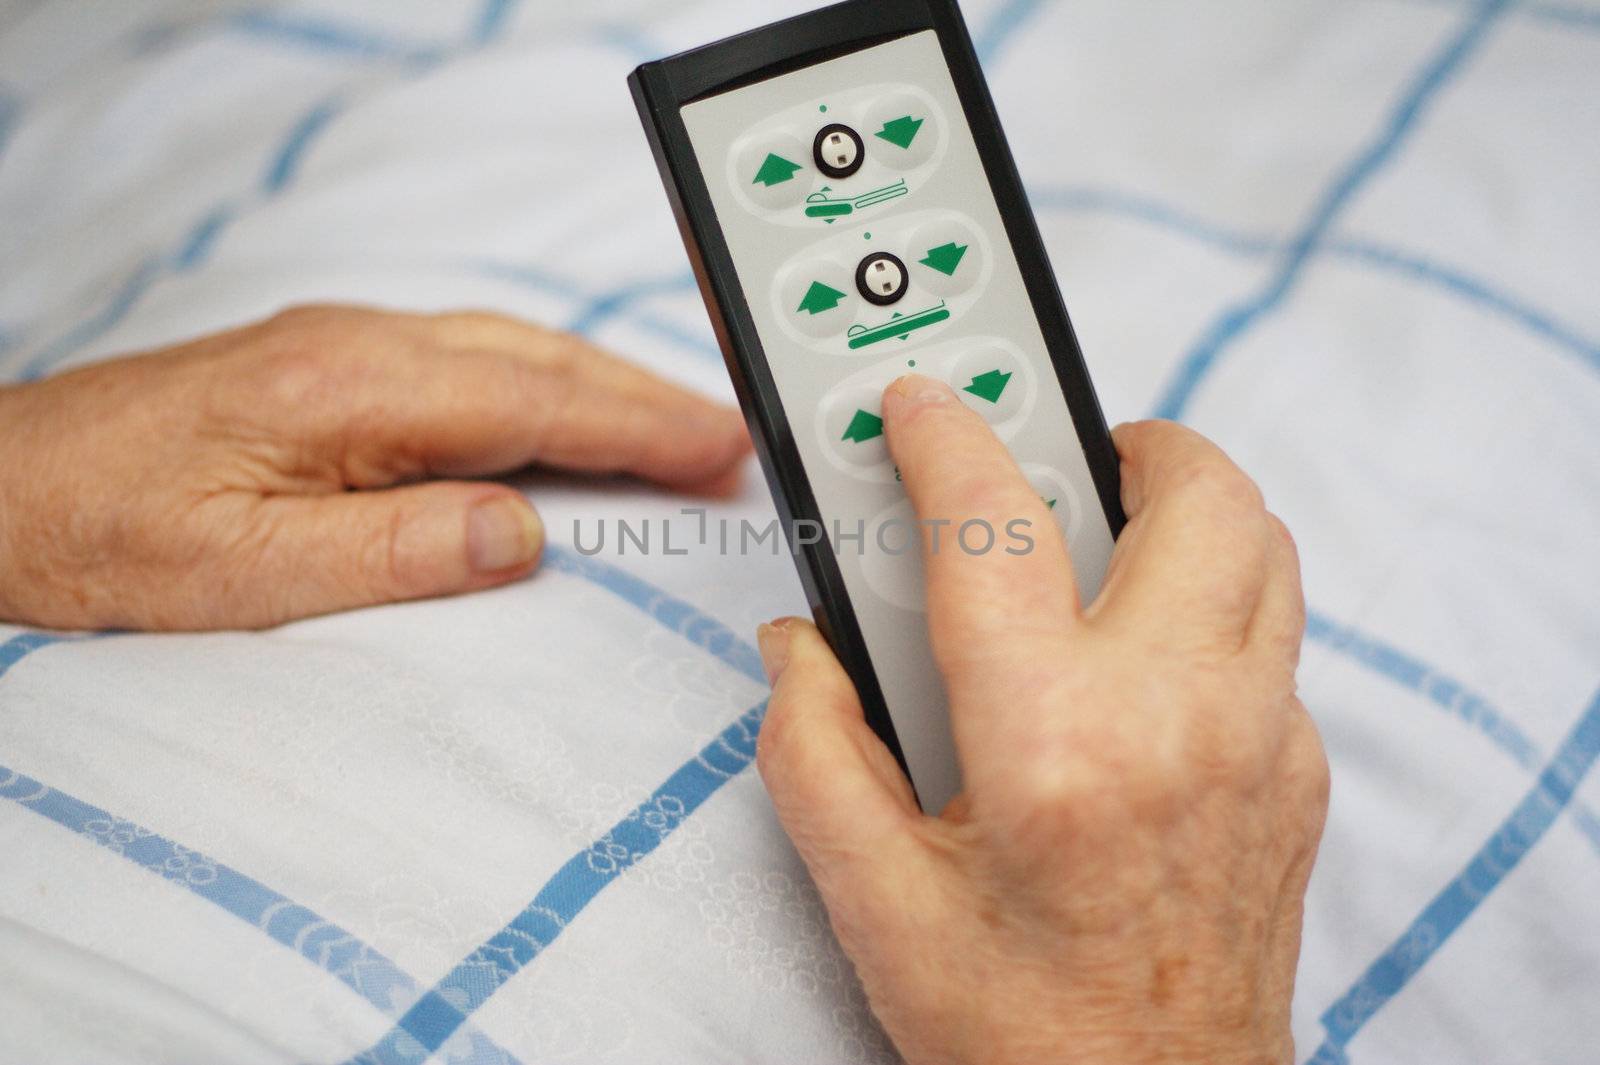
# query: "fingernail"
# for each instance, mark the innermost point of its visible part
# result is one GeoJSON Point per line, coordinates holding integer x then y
{"type": "Point", "coordinates": [913, 391]}
{"type": "Point", "coordinates": [773, 640]}
{"type": "Point", "coordinates": [502, 533]}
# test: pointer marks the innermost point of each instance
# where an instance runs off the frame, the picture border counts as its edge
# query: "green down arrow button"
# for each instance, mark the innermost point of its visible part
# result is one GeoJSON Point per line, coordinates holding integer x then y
{"type": "Point", "coordinates": [989, 385]}
{"type": "Point", "coordinates": [901, 132]}
{"type": "Point", "coordinates": [945, 258]}
{"type": "Point", "coordinates": [863, 427]}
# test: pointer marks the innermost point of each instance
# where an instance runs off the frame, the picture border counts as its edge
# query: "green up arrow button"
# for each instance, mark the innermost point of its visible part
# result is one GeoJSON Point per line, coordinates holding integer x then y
{"type": "Point", "coordinates": [863, 427]}
{"type": "Point", "coordinates": [775, 171]}
{"type": "Point", "coordinates": [989, 385]}
{"type": "Point", "coordinates": [819, 298]}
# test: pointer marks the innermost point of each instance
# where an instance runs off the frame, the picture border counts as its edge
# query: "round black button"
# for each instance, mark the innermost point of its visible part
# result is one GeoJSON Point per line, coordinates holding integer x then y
{"type": "Point", "coordinates": [882, 279]}
{"type": "Point", "coordinates": [839, 151]}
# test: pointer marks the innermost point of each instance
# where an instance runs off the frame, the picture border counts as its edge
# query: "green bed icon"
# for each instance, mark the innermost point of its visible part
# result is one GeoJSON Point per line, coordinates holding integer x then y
{"type": "Point", "coordinates": [901, 325]}
{"type": "Point", "coordinates": [822, 205]}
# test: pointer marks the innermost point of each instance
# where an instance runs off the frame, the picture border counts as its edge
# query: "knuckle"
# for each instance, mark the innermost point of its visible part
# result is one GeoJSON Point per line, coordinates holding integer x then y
{"type": "Point", "coordinates": [1219, 484]}
{"type": "Point", "coordinates": [1306, 766]}
{"type": "Point", "coordinates": [567, 353]}
{"type": "Point", "coordinates": [474, 317]}
{"type": "Point", "coordinates": [393, 568]}
{"type": "Point", "coordinates": [1281, 533]}
{"type": "Point", "coordinates": [326, 319]}
{"type": "Point", "coordinates": [1125, 781]}
{"type": "Point", "coordinates": [322, 353]}
{"type": "Point", "coordinates": [301, 316]}
{"type": "Point", "coordinates": [474, 326]}
{"type": "Point", "coordinates": [773, 738]}
{"type": "Point", "coordinates": [1223, 745]}
{"type": "Point", "coordinates": [1106, 798]}
{"type": "Point", "coordinates": [1228, 731]}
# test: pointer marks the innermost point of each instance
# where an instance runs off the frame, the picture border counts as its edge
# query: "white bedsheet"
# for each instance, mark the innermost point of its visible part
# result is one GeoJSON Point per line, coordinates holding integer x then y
{"type": "Point", "coordinates": [1356, 241]}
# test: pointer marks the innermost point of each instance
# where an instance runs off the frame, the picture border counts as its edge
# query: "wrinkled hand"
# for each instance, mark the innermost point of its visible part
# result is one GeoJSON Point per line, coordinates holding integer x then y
{"type": "Point", "coordinates": [1121, 880]}
{"type": "Point", "coordinates": [209, 485]}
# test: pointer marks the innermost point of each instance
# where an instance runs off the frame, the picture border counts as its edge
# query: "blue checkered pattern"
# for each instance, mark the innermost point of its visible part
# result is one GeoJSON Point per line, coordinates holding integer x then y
{"type": "Point", "coordinates": [425, 1018]}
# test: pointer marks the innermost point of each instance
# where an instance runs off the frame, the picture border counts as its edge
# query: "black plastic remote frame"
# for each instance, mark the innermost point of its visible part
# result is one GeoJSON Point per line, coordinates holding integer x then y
{"type": "Point", "coordinates": [671, 92]}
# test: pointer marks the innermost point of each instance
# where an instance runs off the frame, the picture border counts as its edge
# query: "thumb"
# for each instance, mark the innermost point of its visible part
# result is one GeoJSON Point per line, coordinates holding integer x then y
{"type": "Point", "coordinates": [352, 549]}
{"type": "Point", "coordinates": [838, 791]}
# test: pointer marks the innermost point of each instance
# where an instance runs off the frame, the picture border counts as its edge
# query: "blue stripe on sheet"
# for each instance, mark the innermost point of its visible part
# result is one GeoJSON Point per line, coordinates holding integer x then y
{"type": "Point", "coordinates": [492, 20]}
{"type": "Point", "coordinates": [992, 37]}
{"type": "Point", "coordinates": [1573, 16]}
{"type": "Point", "coordinates": [1472, 290]}
{"type": "Point", "coordinates": [1236, 320]}
{"type": "Point", "coordinates": [442, 1010]}
{"type": "Point", "coordinates": [1088, 199]}
{"type": "Point", "coordinates": [91, 329]}
{"type": "Point", "coordinates": [285, 162]}
{"type": "Point", "coordinates": [472, 982]}
{"type": "Point", "coordinates": [603, 307]}
{"type": "Point", "coordinates": [193, 247]}
{"type": "Point", "coordinates": [630, 42]}
{"type": "Point", "coordinates": [24, 644]}
{"type": "Point", "coordinates": [326, 945]}
{"type": "Point", "coordinates": [197, 245]}
{"type": "Point", "coordinates": [325, 35]}
{"type": "Point", "coordinates": [1417, 676]}
{"type": "Point", "coordinates": [698, 342]}
{"type": "Point", "coordinates": [1583, 18]}
{"type": "Point", "coordinates": [1448, 694]}
{"type": "Point", "coordinates": [1463, 895]}
{"type": "Point", "coordinates": [10, 110]}
{"type": "Point", "coordinates": [683, 618]}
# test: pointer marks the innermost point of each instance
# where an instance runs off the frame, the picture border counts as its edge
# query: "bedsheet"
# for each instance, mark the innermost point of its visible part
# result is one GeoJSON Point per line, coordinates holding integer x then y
{"type": "Point", "coordinates": [1356, 242]}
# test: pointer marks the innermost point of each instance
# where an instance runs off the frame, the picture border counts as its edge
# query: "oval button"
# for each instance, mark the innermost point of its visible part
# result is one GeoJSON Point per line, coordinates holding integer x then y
{"type": "Point", "coordinates": [774, 170]}
{"type": "Point", "coordinates": [947, 254]}
{"type": "Point", "coordinates": [1057, 493]}
{"type": "Point", "coordinates": [818, 297]}
{"type": "Point", "coordinates": [852, 424]}
{"type": "Point", "coordinates": [993, 381]}
{"type": "Point", "coordinates": [891, 558]}
{"type": "Point", "coordinates": [901, 130]}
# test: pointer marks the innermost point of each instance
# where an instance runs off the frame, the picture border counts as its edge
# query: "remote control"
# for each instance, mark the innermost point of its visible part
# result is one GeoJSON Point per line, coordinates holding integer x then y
{"type": "Point", "coordinates": [853, 214]}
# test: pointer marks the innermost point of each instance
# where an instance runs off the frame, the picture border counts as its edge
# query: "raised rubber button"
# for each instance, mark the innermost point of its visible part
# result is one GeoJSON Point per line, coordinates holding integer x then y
{"type": "Point", "coordinates": [853, 425]}
{"type": "Point", "coordinates": [774, 170]}
{"type": "Point", "coordinates": [947, 256]}
{"type": "Point", "coordinates": [992, 381]}
{"type": "Point", "coordinates": [901, 130]}
{"type": "Point", "coordinates": [818, 297]}
{"type": "Point", "coordinates": [838, 151]}
{"type": "Point", "coordinates": [1057, 493]}
{"type": "Point", "coordinates": [891, 557]}
{"type": "Point", "coordinates": [882, 279]}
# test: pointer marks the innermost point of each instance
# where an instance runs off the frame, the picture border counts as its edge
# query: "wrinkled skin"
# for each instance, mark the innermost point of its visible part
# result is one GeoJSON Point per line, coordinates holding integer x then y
{"type": "Point", "coordinates": [1122, 878]}
{"type": "Point", "coordinates": [289, 468]}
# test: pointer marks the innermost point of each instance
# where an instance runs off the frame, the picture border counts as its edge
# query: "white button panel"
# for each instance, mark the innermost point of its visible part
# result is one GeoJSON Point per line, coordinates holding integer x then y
{"type": "Point", "coordinates": [990, 373]}
{"type": "Point", "coordinates": [945, 259]}
{"type": "Point", "coordinates": [775, 170]}
{"type": "Point", "coordinates": [948, 301]}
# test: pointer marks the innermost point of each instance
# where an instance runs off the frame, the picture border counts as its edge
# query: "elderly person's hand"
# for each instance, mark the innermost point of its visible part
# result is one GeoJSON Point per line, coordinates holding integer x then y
{"type": "Point", "coordinates": [287, 468]}
{"type": "Point", "coordinates": [1121, 881]}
